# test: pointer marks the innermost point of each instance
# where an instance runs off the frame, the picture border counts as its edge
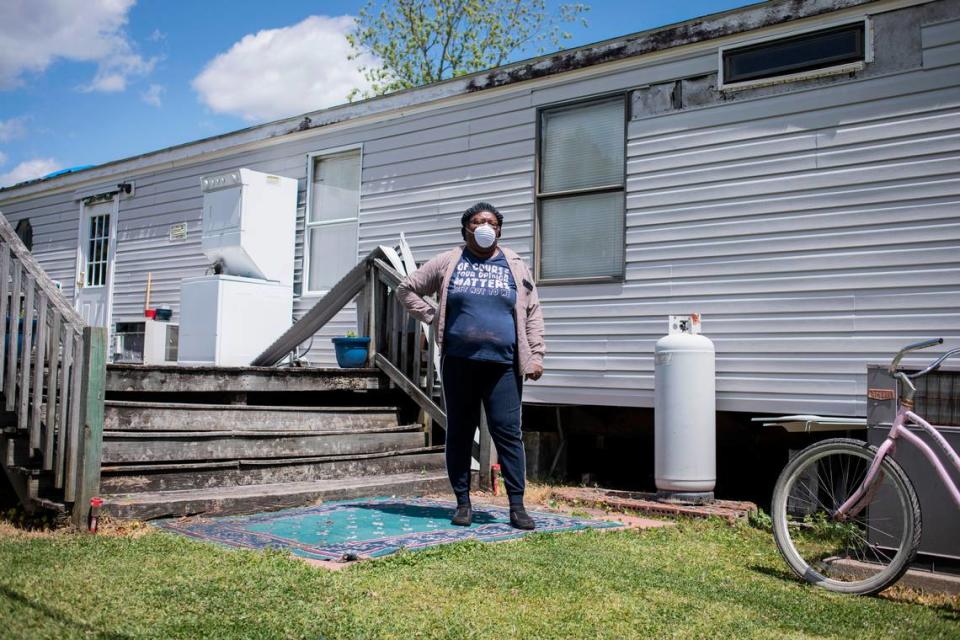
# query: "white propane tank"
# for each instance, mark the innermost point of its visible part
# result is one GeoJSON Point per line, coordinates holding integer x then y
{"type": "Point", "coordinates": [685, 440]}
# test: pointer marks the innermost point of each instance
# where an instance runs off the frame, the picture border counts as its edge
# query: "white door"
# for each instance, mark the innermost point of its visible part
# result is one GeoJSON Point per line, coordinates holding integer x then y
{"type": "Point", "coordinates": [95, 262]}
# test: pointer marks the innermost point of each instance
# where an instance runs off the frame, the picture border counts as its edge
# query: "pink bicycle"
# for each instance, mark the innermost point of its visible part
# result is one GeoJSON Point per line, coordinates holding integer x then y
{"type": "Point", "coordinates": [845, 515]}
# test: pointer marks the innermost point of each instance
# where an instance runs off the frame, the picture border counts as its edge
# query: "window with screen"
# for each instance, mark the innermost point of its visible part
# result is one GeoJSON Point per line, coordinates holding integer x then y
{"type": "Point", "coordinates": [580, 223]}
{"type": "Point", "coordinates": [810, 51]}
{"type": "Point", "coordinates": [332, 220]}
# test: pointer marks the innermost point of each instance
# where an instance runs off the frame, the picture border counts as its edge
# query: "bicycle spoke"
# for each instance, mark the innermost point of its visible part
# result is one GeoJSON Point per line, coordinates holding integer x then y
{"type": "Point", "coordinates": [873, 535]}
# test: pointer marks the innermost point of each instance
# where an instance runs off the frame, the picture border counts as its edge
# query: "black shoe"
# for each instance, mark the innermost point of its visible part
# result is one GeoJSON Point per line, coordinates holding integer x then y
{"type": "Point", "coordinates": [519, 519]}
{"type": "Point", "coordinates": [463, 516]}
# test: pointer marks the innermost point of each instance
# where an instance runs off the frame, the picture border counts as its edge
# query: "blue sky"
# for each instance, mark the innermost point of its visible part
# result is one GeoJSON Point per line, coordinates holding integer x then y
{"type": "Point", "coordinates": [84, 82]}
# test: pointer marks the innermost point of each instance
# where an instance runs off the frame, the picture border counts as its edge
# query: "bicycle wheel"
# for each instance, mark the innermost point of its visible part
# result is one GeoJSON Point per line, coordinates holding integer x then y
{"type": "Point", "coordinates": [863, 553]}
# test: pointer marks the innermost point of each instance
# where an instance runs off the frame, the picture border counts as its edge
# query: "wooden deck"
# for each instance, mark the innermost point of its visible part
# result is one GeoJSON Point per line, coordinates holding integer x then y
{"type": "Point", "coordinates": [212, 440]}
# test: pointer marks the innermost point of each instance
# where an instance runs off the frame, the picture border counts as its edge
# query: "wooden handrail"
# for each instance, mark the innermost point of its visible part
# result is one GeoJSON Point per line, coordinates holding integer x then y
{"type": "Point", "coordinates": [323, 312]}
{"type": "Point", "coordinates": [395, 337]}
{"type": "Point", "coordinates": [396, 341]}
{"type": "Point", "coordinates": [388, 275]}
{"type": "Point", "coordinates": [44, 283]}
{"type": "Point", "coordinates": [52, 367]}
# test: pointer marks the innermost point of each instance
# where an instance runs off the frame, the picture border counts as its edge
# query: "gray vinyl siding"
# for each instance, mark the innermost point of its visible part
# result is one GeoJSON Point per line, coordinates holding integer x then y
{"type": "Point", "coordinates": [816, 230]}
{"type": "Point", "coordinates": [816, 225]}
{"type": "Point", "coordinates": [55, 224]}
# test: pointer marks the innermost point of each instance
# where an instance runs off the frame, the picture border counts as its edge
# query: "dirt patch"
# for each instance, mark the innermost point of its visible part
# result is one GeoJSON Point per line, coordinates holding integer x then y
{"type": "Point", "coordinates": [649, 504]}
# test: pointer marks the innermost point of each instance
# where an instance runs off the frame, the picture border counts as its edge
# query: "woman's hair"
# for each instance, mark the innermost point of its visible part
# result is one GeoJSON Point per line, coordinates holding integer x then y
{"type": "Point", "coordinates": [474, 210]}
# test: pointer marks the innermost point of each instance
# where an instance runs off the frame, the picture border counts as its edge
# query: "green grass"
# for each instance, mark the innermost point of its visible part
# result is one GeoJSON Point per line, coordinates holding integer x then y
{"type": "Point", "coordinates": [697, 580]}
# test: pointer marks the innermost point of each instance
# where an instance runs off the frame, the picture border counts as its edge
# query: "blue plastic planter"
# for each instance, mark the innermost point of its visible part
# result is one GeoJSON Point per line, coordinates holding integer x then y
{"type": "Point", "coordinates": [351, 352]}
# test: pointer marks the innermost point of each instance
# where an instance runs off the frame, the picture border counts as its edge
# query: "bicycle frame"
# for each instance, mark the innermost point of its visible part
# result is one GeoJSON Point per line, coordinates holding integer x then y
{"type": "Point", "coordinates": [898, 430]}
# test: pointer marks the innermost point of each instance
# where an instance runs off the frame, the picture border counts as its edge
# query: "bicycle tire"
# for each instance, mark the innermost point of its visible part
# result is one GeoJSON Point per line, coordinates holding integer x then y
{"type": "Point", "coordinates": [862, 555]}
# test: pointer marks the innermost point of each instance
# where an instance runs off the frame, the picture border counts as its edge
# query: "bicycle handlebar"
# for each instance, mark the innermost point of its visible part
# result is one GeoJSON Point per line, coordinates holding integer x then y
{"type": "Point", "coordinates": [923, 344]}
{"type": "Point", "coordinates": [936, 364]}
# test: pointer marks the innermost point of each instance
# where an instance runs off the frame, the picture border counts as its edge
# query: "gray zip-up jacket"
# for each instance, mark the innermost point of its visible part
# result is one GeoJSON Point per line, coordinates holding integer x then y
{"type": "Point", "coordinates": [433, 278]}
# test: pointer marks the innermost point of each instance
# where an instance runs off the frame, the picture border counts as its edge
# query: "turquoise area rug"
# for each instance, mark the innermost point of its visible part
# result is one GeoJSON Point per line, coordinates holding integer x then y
{"type": "Point", "coordinates": [369, 528]}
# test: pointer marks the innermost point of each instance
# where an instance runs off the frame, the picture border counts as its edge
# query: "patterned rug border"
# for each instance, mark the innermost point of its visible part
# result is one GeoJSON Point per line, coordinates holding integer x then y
{"type": "Point", "coordinates": [232, 531]}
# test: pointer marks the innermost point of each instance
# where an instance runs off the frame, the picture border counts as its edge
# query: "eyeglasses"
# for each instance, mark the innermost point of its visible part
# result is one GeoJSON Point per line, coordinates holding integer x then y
{"type": "Point", "coordinates": [473, 224]}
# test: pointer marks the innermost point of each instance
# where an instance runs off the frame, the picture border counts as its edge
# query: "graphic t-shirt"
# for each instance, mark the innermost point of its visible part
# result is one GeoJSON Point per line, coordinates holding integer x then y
{"type": "Point", "coordinates": [480, 300]}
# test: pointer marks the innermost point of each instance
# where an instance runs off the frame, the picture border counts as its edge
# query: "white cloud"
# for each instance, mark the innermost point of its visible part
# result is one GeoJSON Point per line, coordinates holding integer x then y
{"type": "Point", "coordinates": [154, 95]}
{"type": "Point", "coordinates": [13, 128]}
{"type": "Point", "coordinates": [29, 170]}
{"type": "Point", "coordinates": [112, 72]}
{"type": "Point", "coordinates": [283, 72]}
{"type": "Point", "coordinates": [157, 36]}
{"type": "Point", "coordinates": [36, 33]}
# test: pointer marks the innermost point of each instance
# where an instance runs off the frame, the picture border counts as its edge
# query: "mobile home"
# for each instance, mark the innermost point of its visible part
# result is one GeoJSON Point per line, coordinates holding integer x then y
{"type": "Point", "coordinates": [790, 170]}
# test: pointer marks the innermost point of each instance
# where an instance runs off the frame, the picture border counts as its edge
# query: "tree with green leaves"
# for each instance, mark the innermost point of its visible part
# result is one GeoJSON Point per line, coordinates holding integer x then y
{"type": "Point", "coordinates": [423, 41]}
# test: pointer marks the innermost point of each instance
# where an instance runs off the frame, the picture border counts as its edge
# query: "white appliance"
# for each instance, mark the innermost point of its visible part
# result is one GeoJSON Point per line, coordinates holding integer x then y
{"type": "Point", "coordinates": [248, 217]}
{"type": "Point", "coordinates": [145, 342]}
{"type": "Point", "coordinates": [248, 234]}
{"type": "Point", "coordinates": [250, 314]}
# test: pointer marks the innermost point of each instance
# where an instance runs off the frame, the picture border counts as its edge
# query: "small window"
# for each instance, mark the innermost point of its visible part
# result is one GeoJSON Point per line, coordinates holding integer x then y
{"type": "Point", "coordinates": [98, 247]}
{"type": "Point", "coordinates": [811, 51]}
{"type": "Point", "coordinates": [580, 195]}
{"type": "Point", "coordinates": [332, 219]}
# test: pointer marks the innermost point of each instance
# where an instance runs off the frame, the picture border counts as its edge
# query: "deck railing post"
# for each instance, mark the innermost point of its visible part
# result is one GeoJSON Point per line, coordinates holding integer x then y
{"type": "Point", "coordinates": [372, 324]}
{"type": "Point", "coordinates": [92, 390]}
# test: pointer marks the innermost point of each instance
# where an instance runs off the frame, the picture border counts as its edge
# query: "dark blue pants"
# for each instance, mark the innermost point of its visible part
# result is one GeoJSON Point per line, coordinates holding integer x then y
{"type": "Point", "coordinates": [467, 383]}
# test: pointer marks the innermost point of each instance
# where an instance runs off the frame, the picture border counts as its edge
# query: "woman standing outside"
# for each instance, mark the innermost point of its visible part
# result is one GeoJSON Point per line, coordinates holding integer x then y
{"type": "Point", "coordinates": [489, 328]}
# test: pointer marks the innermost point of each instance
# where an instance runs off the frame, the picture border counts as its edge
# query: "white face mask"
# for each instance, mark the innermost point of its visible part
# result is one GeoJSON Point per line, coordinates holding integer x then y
{"type": "Point", "coordinates": [485, 235]}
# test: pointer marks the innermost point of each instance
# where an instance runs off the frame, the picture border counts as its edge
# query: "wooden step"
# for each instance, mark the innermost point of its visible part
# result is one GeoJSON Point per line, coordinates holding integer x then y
{"type": "Point", "coordinates": [266, 497]}
{"type": "Point", "coordinates": [179, 476]}
{"type": "Point", "coordinates": [174, 379]}
{"type": "Point", "coordinates": [176, 446]}
{"type": "Point", "coordinates": [161, 416]}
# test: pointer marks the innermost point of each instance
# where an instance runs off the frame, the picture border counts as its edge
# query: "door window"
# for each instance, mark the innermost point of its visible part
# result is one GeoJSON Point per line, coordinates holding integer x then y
{"type": "Point", "coordinates": [98, 247]}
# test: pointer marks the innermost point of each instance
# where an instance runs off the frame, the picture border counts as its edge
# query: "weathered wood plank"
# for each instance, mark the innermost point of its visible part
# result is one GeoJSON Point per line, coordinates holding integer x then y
{"type": "Point", "coordinates": [363, 312]}
{"type": "Point", "coordinates": [431, 364]}
{"type": "Point", "coordinates": [239, 379]}
{"type": "Point", "coordinates": [52, 370]}
{"type": "Point", "coordinates": [220, 474]}
{"type": "Point", "coordinates": [388, 328]}
{"type": "Point", "coordinates": [4, 306]}
{"type": "Point", "coordinates": [10, 371]}
{"type": "Point", "coordinates": [253, 499]}
{"type": "Point", "coordinates": [387, 274]}
{"type": "Point", "coordinates": [342, 293]}
{"type": "Point", "coordinates": [373, 325]}
{"type": "Point", "coordinates": [23, 394]}
{"type": "Point", "coordinates": [92, 393]}
{"type": "Point", "coordinates": [62, 441]}
{"type": "Point", "coordinates": [118, 451]}
{"type": "Point", "coordinates": [38, 364]}
{"type": "Point", "coordinates": [147, 416]}
{"type": "Point", "coordinates": [394, 323]}
{"type": "Point", "coordinates": [417, 353]}
{"type": "Point", "coordinates": [412, 390]}
{"type": "Point", "coordinates": [73, 420]}
{"type": "Point", "coordinates": [405, 366]}
{"type": "Point", "coordinates": [248, 433]}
